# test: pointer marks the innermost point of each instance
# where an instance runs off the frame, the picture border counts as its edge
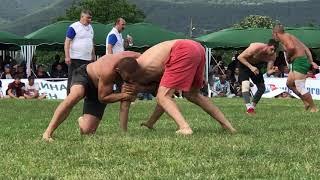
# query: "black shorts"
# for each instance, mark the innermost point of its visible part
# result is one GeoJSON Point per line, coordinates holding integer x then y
{"type": "Point", "coordinates": [91, 104]}
{"type": "Point", "coordinates": [245, 73]}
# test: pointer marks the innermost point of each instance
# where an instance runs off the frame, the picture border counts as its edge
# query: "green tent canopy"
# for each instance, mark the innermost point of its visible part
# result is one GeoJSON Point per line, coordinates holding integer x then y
{"type": "Point", "coordinates": [310, 36]}
{"type": "Point", "coordinates": [147, 35]}
{"type": "Point", "coordinates": [9, 41]}
{"type": "Point", "coordinates": [144, 35]}
{"type": "Point", "coordinates": [241, 38]}
{"type": "Point", "coordinates": [55, 33]}
{"type": "Point", "coordinates": [235, 38]}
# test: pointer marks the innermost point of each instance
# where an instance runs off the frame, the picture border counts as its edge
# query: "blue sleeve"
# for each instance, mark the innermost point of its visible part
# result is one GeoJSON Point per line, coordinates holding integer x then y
{"type": "Point", "coordinates": [71, 33]}
{"type": "Point", "coordinates": [112, 39]}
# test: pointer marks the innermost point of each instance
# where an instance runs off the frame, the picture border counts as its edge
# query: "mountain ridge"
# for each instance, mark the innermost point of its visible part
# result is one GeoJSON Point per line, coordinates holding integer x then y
{"type": "Point", "coordinates": [174, 15]}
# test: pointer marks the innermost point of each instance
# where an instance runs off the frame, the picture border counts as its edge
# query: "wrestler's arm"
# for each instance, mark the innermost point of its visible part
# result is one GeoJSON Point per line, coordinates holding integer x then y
{"type": "Point", "coordinates": [124, 115]}
{"type": "Point", "coordinates": [270, 66]}
{"type": "Point", "coordinates": [310, 58]}
{"type": "Point", "coordinates": [245, 55]}
{"type": "Point", "coordinates": [308, 53]}
{"type": "Point", "coordinates": [105, 91]}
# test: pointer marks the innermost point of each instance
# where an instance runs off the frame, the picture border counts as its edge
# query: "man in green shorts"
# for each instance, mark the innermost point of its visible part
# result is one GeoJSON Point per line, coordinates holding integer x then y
{"type": "Point", "coordinates": [301, 59]}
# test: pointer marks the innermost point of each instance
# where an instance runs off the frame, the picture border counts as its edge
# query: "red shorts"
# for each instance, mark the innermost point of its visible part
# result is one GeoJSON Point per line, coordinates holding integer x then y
{"type": "Point", "coordinates": [185, 67]}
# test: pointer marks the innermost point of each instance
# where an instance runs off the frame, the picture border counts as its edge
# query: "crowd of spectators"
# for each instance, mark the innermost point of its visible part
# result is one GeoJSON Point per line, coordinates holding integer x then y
{"type": "Point", "coordinates": [9, 68]}
{"type": "Point", "coordinates": [223, 78]}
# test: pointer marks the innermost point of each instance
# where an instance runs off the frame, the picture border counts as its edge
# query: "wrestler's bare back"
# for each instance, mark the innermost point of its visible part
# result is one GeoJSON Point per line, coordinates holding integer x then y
{"type": "Point", "coordinates": [298, 48]}
{"type": "Point", "coordinates": [105, 66]}
{"type": "Point", "coordinates": [256, 54]}
{"type": "Point", "coordinates": [152, 61]}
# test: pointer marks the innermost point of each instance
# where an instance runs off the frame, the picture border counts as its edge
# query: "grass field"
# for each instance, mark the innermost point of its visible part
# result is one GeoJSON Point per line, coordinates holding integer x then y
{"type": "Point", "coordinates": [280, 142]}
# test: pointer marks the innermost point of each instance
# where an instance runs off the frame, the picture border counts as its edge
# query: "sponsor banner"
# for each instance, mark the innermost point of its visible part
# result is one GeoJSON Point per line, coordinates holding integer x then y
{"type": "Point", "coordinates": [276, 86]}
{"type": "Point", "coordinates": [53, 89]}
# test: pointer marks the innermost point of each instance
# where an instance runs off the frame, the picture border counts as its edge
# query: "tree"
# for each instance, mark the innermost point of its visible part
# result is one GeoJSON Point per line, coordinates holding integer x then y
{"type": "Point", "coordinates": [105, 11]}
{"type": "Point", "coordinates": [256, 21]}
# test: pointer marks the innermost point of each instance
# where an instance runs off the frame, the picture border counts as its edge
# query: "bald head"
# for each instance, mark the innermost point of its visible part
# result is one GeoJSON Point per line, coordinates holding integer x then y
{"type": "Point", "coordinates": [279, 28]}
{"type": "Point", "coordinates": [277, 31]}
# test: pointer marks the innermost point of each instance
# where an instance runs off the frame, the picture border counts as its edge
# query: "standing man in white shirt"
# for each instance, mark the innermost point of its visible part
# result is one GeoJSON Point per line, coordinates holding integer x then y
{"type": "Point", "coordinates": [79, 46]}
{"type": "Point", "coordinates": [114, 41]}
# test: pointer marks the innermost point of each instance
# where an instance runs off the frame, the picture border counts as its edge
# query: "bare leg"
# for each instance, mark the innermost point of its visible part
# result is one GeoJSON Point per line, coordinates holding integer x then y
{"type": "Point", "coordinates": [291, 85]}
{"type": "Point", "coordinates": [306, 98]}
{"type": "Point", "coordinates": [157, 113]}
{"type": "Point", "coordinates": [195, 97]}
{"type": "Point", "coordinates": [164, 99]}
{"type": "Point", "coordinates": [63, 110]}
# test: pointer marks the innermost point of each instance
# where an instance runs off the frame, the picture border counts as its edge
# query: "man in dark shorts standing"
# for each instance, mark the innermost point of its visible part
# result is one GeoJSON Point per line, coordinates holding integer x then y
{"type": "Point", "coordinates": [251, 62]}
{"type": "Point", "coordinates": [79, 45]}
{"type": "Point", "coordinates": [94, 82]}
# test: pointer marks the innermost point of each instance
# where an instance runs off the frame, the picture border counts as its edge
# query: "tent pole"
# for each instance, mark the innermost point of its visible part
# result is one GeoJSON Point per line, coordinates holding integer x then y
{"type": "Point", "coordinates": [208, 55]}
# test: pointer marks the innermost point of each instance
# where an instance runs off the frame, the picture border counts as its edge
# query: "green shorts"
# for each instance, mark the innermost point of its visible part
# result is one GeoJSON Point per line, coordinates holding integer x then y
{"type": "Point", "coordinates": [301, 65]}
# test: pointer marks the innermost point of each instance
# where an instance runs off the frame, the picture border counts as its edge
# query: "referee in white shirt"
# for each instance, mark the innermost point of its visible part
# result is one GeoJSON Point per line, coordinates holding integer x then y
{"type": "Point", "coordinates": [114, 41]}
{"type": "Point", "coordinates": [79, 46]}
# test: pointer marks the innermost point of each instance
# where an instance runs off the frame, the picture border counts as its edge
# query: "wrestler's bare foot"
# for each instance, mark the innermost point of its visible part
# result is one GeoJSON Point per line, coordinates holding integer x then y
{"type": "Point", "coordinates": [80, 119]}
{"type": "Point", "coordinates": [251, 112]}
{"type": "Point", "coordinates": [230, 129]}
{"type": "Point", "coordinates": [313, 109]}
{"type": "Point", "coordinates": [306, 106]}
{"type": "Point", "coordinates": [47, 137]}
{"type": "Point", "coordinates": [184, 131]}
{"type": "Point", "coordinates": [145, 124]}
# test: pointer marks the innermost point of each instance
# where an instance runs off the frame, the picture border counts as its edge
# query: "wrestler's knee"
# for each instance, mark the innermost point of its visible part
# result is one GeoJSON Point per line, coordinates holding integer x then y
{"type": "Point", "coordinates": [159, 98]}
{"type": "Point", "coordinates": [245, 86]}
{"type": "Point", "coordinates": [290, 84]}
{"type": "Point", "coordinates": [87, 131]}
{"type": "Point", "coordinates": [261, 87]}
{"type": "Point", "coordinates": [87, 126]}
{"type": "Point", "coordinates": [300, 85]}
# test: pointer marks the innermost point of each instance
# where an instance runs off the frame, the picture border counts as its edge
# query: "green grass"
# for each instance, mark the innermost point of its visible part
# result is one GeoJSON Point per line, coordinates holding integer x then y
{"type": "Point", "coordinates": [280, 142]}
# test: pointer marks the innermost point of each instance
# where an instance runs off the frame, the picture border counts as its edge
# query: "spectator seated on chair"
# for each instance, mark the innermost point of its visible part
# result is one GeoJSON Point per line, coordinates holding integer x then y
{"type": "Point", "coordinates": [7, 74]}
{"type": "Point", "coordinates": [58, 72]}
{"type": "Point", "coordinates": [41, 73]}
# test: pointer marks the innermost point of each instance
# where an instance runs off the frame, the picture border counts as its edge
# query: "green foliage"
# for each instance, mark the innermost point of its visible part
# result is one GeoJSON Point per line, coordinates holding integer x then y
{"type": "Point", "coordinates": [106, 11]}
{"type": "Point", "coordinates": [280, 142]}
{"type": "Point", "coordinates": [46, 58]}
{"type": "Point", "coordinates": [256, 21]}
